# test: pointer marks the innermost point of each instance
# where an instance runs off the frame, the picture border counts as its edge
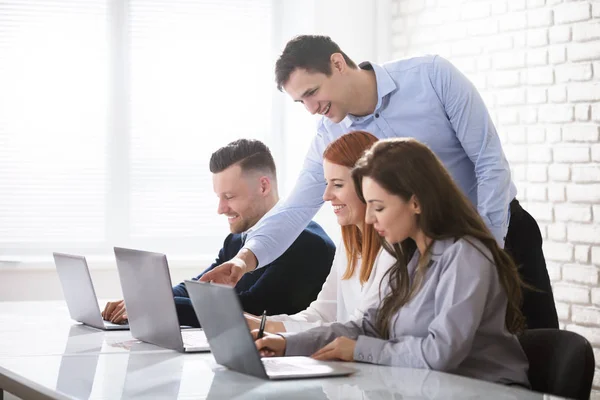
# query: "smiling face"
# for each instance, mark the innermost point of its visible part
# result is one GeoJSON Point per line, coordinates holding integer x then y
{"type": "Point", "coordinates": [340, 191]}
{"type": "Point", "coordinates": [240, 198]}
{"type": "Point", "coordinates": [320, 94]}
{"type": "Point", "coordinates": [392, 217]}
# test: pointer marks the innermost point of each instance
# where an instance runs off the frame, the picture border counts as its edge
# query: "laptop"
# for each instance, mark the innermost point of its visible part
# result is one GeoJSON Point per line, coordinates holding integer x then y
{"type": "Point", "coordinates": [148, 296]}
{"type": "Point", "coordinates": [79, 292]}
{"type": "Point", "coordinates": [219, 311]}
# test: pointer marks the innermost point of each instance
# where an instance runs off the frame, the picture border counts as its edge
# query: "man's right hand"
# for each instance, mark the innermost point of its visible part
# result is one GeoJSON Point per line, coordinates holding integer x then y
{"type": "Point", "coordinates": [115, 312]}
{"type": "Point", "coordinates": [230, 272]}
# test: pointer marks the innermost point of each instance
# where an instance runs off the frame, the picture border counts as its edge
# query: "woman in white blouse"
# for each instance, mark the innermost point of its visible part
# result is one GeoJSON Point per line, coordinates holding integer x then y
{"type": "Point", "coordinates": [352, 286]}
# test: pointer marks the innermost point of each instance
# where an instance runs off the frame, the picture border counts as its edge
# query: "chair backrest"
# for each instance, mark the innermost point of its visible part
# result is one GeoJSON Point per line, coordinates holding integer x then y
{"type": "Point", "coordinates": [561, 363]}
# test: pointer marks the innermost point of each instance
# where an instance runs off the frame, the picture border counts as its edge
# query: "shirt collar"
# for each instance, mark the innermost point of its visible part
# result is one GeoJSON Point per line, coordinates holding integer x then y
{"type": "Point", "coordinates": [385, 86]}
{"type": "Point", "coordinates": [243, 236]}
{"type": "Point", "coordinates": [439, 247]}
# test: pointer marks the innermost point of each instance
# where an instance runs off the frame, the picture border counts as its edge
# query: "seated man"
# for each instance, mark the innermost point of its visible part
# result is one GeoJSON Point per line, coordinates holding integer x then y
{"type": "Point", "coordinates": [244, 179]}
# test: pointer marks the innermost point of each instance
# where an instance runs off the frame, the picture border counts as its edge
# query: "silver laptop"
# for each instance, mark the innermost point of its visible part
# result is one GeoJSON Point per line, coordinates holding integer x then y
{"type": "Point", "coordinates": [79, 292]}
{"type": "Point", "coordinates": [148, 295]}
{"type": "Point", "coordinates": [219, 311]}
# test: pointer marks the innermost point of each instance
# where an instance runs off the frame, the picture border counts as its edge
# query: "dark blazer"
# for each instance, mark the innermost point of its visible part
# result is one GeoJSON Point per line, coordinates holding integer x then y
{"type": "Point", "coordinates": [286, 286]}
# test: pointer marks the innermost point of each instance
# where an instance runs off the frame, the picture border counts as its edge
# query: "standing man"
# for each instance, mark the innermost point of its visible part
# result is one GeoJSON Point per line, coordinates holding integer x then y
{"type": "Point", "coordinates": [426, 98]}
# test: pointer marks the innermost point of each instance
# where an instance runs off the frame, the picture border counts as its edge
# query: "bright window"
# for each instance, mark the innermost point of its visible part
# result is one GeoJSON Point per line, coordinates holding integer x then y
{"type": "Point", "coordinates": [109, 111]}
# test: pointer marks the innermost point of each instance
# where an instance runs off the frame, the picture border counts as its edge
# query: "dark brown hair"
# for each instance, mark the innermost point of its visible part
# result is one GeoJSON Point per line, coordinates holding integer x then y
{"type": "Point", "coordinates": [405, 167]}
{"type": "Point", "coordinates": [250, 154]}
{"type": "Point", "coordinates": [309, 52]}
{"type": "Point", "coordinates": [345, 151]}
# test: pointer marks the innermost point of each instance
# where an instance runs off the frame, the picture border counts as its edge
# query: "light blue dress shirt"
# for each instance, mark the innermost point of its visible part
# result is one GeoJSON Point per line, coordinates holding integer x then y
{"type": "Point", "coordinates": [428, 99]}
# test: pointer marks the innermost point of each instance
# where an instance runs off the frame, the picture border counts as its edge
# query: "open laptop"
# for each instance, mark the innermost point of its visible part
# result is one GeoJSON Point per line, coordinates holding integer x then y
{"type": "Point", "coordinates": [79, 292]}
{"type": "Point", "coordinates": [219, 311]}
{"type": "Point", "coordinates": [148, 296]}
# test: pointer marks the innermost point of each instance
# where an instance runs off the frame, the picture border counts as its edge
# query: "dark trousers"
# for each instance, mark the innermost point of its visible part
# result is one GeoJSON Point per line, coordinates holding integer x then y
{"type": "Point", "coordinates": [524, 244]}
{"type": "Point", "coordinates": [185, 312]}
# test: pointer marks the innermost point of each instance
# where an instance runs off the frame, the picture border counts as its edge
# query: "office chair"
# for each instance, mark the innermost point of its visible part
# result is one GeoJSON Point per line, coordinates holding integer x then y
{"type": "Point", "coordinates": [561, 363]}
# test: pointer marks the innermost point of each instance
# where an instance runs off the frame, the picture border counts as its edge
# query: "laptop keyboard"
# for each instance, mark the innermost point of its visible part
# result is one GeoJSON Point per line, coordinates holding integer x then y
{"type": "Point", "coordinates": [281, 366]}
{"type": "Point", "coordinates": [194, 338]}
{"type": "Point", "coordinates": [111, 324]}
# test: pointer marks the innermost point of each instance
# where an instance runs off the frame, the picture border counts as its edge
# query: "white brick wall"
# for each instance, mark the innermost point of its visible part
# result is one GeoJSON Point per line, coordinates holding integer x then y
{"type": "Point", "coordinates": [537, 66]}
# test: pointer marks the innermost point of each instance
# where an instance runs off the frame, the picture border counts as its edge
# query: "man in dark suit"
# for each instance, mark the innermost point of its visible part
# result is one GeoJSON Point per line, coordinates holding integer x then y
{"type": "Point", "coordinates": [244, 179]}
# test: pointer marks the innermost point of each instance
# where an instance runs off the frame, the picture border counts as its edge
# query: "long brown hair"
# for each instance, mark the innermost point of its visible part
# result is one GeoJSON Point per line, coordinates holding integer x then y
{"type": "Point", "coordinates": [345, 151]}
{"type": "Point", "coordinates": [405, 167]}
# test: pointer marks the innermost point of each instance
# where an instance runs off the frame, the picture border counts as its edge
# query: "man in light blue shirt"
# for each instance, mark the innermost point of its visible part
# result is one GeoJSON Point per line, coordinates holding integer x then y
{"type": "Point", "coordinates": [426, 98]}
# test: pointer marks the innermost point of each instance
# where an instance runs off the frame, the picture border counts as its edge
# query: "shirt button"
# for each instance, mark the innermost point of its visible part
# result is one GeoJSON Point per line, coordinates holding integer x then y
{"type": "Point", "coordinates": [370, 358]}
{"type": "Point", "coordinates": [377, 115]}
{"type": "Point", "coordinates": [360, 356]}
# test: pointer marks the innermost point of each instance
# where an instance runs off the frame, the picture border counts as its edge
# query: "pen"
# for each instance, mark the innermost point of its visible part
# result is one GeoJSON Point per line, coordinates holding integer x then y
{"type": "Point", "coordinates": [261, 329]}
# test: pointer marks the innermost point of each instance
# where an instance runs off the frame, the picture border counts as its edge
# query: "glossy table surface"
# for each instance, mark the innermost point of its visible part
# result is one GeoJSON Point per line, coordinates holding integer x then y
{"type": "Point", "coordinates": [44, 354]}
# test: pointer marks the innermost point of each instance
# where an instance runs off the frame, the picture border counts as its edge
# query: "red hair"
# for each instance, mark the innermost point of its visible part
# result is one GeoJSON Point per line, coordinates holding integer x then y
{"type": "Point", "coordinates": [345, 151]}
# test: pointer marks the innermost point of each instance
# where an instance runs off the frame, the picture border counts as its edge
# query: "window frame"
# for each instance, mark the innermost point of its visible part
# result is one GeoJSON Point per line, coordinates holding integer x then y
{"type": "Point", "coordinates": [34, 255]}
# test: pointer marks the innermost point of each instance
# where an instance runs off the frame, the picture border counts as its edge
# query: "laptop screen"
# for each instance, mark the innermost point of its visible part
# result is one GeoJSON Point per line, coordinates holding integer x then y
{"type": "Point", "coordinates": [221, 316]}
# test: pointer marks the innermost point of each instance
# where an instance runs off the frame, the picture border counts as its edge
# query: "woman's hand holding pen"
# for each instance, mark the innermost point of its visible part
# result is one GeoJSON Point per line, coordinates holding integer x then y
{"type": "Point", "coordinates": [269, 345]}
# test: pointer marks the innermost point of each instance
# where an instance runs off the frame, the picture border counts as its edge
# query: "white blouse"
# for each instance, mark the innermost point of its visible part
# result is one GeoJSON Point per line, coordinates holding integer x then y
{"type": "Point", "coordinates": [341, 300]}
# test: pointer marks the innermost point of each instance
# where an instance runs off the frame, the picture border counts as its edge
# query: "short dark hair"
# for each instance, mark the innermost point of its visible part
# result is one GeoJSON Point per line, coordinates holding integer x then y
{"type": "Point", "coordinates": [250, 154]}
{"type": "Point", "coordinates": [309, 52]}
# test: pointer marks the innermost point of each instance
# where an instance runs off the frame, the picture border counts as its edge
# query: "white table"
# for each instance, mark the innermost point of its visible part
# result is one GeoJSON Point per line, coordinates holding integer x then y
{"type": "Point", "coordinates": [43, 355]}
{"type": "Point", "coordinates": [44, 328]}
